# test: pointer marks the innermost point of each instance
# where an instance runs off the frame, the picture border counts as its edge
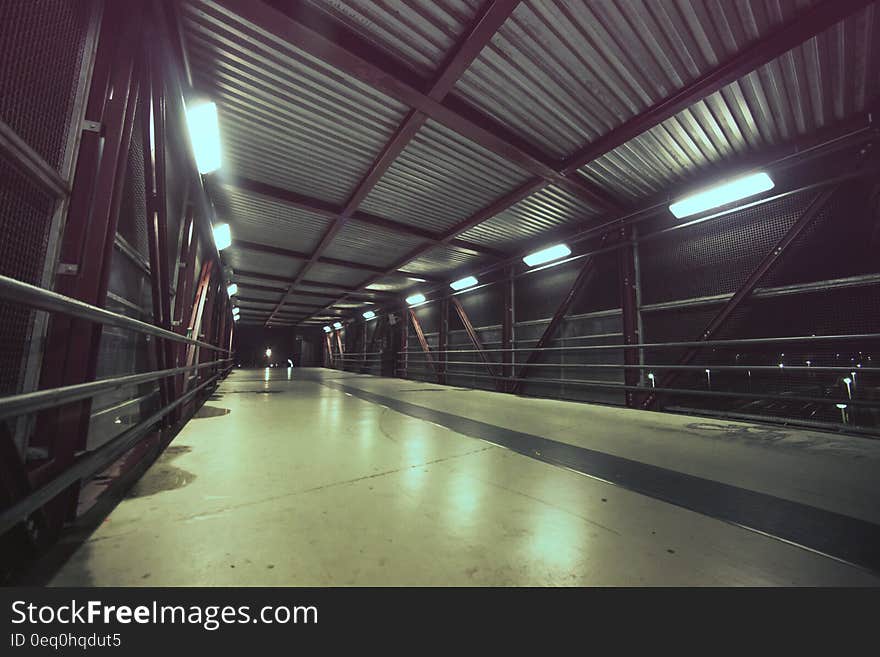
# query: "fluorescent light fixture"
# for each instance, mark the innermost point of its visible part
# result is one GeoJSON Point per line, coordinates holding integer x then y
{"type": "Point", "coordinates": [369, 314]}
{"type": "Point", "coordinates": [554, 252]}
{"type": "Point", "coordinates": [722, 194]}
{"type": "Point", "coordinates": [204, 134]}
{"type": "Point", "coordinates": [222, 236]}
{"type": "Point", "coordinates": [327, 329]}
{"type": "Point", "coordinates": [236, 312]}
{"type": "Point", "coordinates": [337, 325]}
{"type": "Point", "coordinates": [235, 318]}
{"type": "Point", "coordinates": [268, 353]}
{"type": "Point", "coordinates": [463, 283]}
{"type": "Point", "coordinates": [416, 299]}
{"type": "Point", "coordinates": [231, 289]}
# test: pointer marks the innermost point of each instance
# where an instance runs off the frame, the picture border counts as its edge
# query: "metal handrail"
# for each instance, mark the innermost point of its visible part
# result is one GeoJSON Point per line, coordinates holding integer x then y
{"type": "Point", "coordinates": [677, 391]}
{"type": "Point", "coordinates": [720, 368]}
{"type": "Point", "coordinates": [36, 297]}
{"type": "Point", "coordinates": [91, 463]}
{"type": "Point", "coordinates": [34, 401]}
{"type": "Point", "coordinates": [657, 345]}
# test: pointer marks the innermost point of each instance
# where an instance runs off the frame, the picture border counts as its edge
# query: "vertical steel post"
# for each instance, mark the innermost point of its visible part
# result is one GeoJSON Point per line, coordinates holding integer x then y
{"type": "Point", "coordinates": [443, 341]}
{"type": "Point", "coordinates": [628, 304]}
{"type": "Point", "coordinates": [71, 346]}
{"type": "Point", "coordinates": [507, 332]}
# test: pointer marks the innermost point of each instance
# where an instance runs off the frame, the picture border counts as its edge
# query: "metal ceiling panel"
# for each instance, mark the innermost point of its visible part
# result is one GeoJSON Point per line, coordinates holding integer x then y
{"type": "Point", "coordinates": [256, 218]}
{"type": "Point", "coordinates": [543, 211]}
{"type": "Point", "coordinates": [421, 35]}
{"type": "Point", "coordinates": [286, 118]}
{"type": "Point", "coordinates": [440, 179]}
{"type": "Point", "coordinates": [391, 283]}
{"type": "Point", "coordinates": [308, 300]}
{"type": "Point", "coordinates": [264, 263]}
{"type": "Point", "coordinates": [440, 260]}
{"type": "Point", "coordinates": [828, 79]}
{"type": "Point", "coordinates": [247, 292]}
{"type": "Point", "coordinates": [564, 72]}
{"type": "Point", "coordinates": [335, 274]}
{"type": "Point", "coordinates": [360, 242]}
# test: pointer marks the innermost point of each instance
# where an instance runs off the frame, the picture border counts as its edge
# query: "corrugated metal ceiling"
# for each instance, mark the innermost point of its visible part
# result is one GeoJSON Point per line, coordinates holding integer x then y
{"type": "Point", "coordinates": [828, 79]}
{"type": "Point", "coordinates": [255, 218]}
{"type": "Point", "coordinates": [565, 72]}
{"type": "Point", "coordinates": [440, 179]}
{"type": "Point", "coordinates": [420, 34]}
{"type": "Point", "coordinates": [557, 75]}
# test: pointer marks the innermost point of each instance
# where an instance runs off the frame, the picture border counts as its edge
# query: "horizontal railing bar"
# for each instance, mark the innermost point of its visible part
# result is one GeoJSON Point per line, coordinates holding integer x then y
{"type": "Point", "coordinates": [36, 297]}
{"type": "Point", "coordinates": [701, 368]}
{"type": "Point", "coordinates": [34, 401]}
{"type": "Point", "coordinates": [692, 343]}
{"type": "Point", "coordinates": [91, 463]}
{"type": "Point", "coordinates": [769, 292]}
{"type": "Point", "coordinates": [872, 403]}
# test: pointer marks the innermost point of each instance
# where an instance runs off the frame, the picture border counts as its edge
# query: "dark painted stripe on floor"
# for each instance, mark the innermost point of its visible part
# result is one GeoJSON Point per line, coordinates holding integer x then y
{"type": "Point", "coordinates": [849, 539]}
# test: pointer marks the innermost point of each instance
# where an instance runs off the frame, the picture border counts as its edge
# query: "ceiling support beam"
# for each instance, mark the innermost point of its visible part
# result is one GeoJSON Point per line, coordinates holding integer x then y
{"type": "Point", "coordinates": [470, 46]}
{"type": "Point", "coordinates": [799, 30]}
{"type": "Point", "coordinates": [298, 24]}
{"type": "Point", "coordinates": [326, 209]}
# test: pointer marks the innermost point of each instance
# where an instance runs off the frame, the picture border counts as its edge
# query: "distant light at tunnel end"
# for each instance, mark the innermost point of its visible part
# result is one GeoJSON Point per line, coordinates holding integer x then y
{"type": "Point", "coordinates": [463, 283]}
{"type": "Point", "coordinates": [554, 252]}
{"type": "Point", "coordinates": [714, 197]}
{"type": "Point", "coordinates": [416, 299]}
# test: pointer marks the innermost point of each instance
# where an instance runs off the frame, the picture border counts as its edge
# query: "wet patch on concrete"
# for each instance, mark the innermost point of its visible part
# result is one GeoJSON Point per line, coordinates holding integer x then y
{"type": "Point", "coordinates": [764, 436]}
{"type": "Point", "coordinates": [255, 392]}
{"type": "Point", "coordinates": [163, 476]}
{"type": "Point", "coordinates": [211, 411]}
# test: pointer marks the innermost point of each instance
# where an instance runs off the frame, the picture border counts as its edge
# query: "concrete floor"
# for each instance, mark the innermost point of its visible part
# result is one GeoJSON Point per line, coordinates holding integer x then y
{"type": "Point", "coordinates": [281, 480]}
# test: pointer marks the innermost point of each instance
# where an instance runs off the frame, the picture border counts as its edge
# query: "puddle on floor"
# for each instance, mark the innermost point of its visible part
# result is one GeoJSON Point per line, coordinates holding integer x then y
{"type": "Point", "coordinates": [162, 475]}
{"type": "Point", "coordinates": [211, 411]}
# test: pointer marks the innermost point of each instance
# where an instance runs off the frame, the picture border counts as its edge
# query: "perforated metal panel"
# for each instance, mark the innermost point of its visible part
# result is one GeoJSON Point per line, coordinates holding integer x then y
{"type": "Point", "coordinates": [41, 51]}
{"type": "Point", "coordinates": [25, 220]}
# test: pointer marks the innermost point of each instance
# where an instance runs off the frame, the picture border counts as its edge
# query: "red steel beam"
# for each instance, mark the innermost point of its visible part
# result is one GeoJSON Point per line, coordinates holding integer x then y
{"type": "Point", "coordinates": [479, 34]}
{"type": "Point", "coordinates": [155, 203]}
{"type": "Point", "coordinates": [71, 346]}
{"type": "Point", "coordinates": [475, 340]}
{"type": "Point", "coordinates": [745, 291]}
{"type": "Point", "coordinates": [420, 334]}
